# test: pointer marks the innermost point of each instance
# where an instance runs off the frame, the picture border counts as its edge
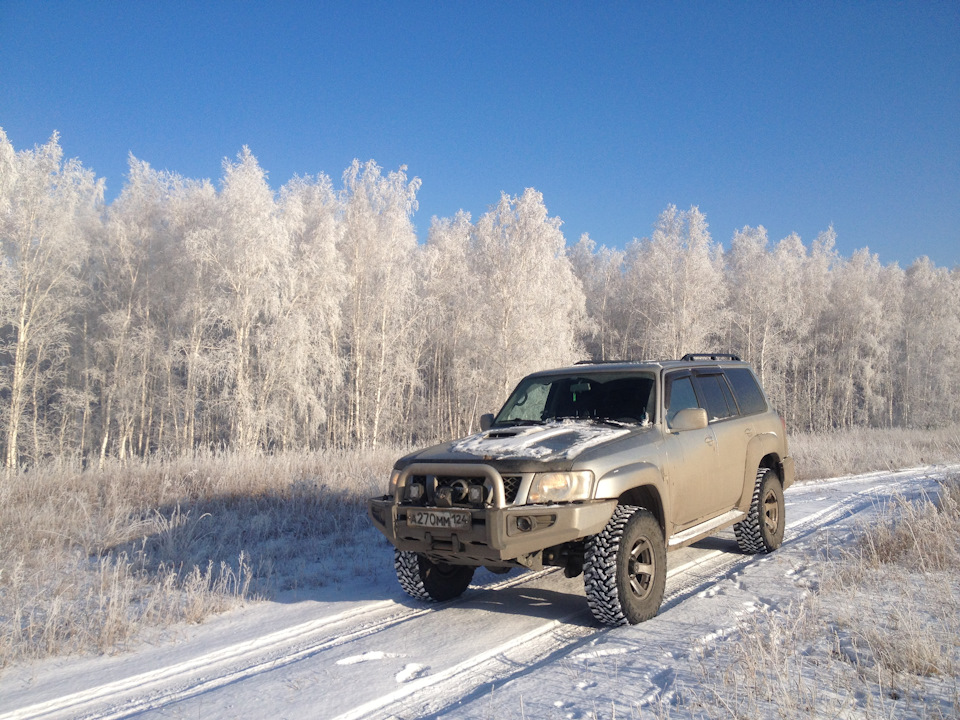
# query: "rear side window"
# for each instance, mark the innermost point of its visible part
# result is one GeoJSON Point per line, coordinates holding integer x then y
{"type": "Point", "coordinates": [745, 387]}
{"type": "Point", "coordinates": [715, 394]}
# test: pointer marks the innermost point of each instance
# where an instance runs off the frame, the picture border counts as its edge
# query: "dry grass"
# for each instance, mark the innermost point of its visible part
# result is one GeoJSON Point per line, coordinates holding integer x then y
{"type": "Point", "coordinates": [880, 637]}
{"type": "Point", "coordinates": [860, 450]}
{"type": "Point", "coordinates": [89, 559]}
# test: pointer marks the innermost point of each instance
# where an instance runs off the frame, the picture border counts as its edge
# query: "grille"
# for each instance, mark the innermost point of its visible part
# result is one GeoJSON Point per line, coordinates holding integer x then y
{"type": "Point", "coordinates": [511, 484]}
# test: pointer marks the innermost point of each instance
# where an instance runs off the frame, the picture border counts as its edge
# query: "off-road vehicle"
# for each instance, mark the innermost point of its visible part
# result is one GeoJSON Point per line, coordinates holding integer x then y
{"type": "Point", "coordinates": [598, 468]}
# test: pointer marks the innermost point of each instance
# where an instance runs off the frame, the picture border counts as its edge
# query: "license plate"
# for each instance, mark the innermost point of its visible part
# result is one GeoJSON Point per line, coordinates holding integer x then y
{"type": "Point", "coordinates": [454, 519]}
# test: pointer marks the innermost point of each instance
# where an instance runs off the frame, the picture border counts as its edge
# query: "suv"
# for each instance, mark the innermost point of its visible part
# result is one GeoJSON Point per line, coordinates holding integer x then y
{"type": "Point", "coordinates": [599, 469]}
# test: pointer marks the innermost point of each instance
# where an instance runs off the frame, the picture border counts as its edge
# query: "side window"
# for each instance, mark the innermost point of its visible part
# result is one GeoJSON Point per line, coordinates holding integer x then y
{"type": "Point", "coordinates": [715, 394]}
{"type": "Point", "coordinates": [745, 387]}
{"type": "Point", "coordinates": [680, 395]}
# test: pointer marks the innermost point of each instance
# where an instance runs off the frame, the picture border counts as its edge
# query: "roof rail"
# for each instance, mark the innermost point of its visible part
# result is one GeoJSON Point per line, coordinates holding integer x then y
{"type": "Point", "coordinates": [606, 362]}
{"type": "Point", "coordinates": [690, 357]}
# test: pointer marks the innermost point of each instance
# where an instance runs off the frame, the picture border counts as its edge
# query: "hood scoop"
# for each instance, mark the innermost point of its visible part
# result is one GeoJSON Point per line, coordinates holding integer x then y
{"type": "Point", "coordinates": [505, 433]}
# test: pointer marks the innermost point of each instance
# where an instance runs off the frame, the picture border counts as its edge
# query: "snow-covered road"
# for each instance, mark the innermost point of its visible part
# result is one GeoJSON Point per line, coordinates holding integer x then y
{"type": "Point", "coordinates": [511, 642]}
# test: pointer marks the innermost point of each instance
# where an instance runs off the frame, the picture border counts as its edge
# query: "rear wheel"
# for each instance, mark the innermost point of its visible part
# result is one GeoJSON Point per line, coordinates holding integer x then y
{"type": "Point", "coordinates": [625, 567]}
{"type": "Point", "coordinates": [762, 529]}
{"type": "Point", "coordinates": [424, 579]}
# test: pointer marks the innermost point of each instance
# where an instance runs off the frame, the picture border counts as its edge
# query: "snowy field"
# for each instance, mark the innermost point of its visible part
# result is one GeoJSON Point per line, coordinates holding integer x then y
{"type": "Point", "coordinates": [738, 636]}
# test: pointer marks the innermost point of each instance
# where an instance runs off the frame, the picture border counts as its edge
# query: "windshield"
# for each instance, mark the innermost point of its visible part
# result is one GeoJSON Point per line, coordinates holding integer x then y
{"type": "Point", "coordinates": [613, 397]}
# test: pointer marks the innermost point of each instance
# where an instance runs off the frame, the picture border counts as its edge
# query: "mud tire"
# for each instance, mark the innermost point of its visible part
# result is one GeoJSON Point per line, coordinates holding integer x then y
{"type": "Point", "coordinates": [625, 567]}
{"type": "Point", "coordinates": [762, 530]}
{"type": "Point", "coordinates": [423, 579]}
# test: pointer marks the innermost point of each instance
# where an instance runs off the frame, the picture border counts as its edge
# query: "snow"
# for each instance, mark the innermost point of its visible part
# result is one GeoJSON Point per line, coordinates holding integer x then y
{"type": "Point", "coordinates": [512, 646]}
{"type": "Point", "coordinates": [557, 440]}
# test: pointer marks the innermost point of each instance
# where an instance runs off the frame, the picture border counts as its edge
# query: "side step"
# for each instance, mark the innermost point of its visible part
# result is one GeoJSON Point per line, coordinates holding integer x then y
{"type": "Point", "coordinates": [691, 535]}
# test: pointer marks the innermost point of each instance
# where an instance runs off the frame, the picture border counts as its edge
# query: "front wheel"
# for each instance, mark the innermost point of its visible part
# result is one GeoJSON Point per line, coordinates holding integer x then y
{"type": "Point", "coordinates": [424, 579]}
{"type": "Point", "coordinates": [625, 567]}
{"type": "Point", "coordinates": [762, 529]}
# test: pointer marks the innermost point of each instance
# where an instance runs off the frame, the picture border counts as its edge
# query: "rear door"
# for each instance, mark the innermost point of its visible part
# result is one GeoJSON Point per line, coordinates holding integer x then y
{"type": "Point", "coordinates": [732, 432]}
{"type": "Point", "coordinates": [692, 459]}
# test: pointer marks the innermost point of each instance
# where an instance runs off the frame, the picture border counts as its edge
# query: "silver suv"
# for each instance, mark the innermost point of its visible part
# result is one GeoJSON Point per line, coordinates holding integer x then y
{"type": "Point", "coordinates": [600, 469]}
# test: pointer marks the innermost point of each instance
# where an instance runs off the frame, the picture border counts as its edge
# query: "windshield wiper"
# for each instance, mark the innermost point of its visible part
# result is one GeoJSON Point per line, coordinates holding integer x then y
{"type": "Point", "coordinates": [616, 423]}
{"type": "Point", "coordinates": [514, 423]}
{"type": "Point", "coordinates": [601, 421]}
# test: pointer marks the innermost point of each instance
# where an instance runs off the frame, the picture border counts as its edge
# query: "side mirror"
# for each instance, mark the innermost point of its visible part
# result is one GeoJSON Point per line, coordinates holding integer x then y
{"type": "Point", "coordinates": [486, 420]}
{"type": "Point", "coordinates": [689, 419]}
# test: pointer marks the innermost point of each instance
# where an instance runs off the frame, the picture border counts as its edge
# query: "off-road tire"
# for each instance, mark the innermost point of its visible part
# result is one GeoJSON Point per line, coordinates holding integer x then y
{"type": "Point", "coordinates": [423, 579]}
{"type": "Point", "coordinates": [625, 567]}
{"type": "Point", "coordinates": [762, 530]}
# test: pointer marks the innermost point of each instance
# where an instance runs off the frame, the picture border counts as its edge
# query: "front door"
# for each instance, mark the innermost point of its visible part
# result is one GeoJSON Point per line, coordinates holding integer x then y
{"type": "Point", "coordinates": [692, 458]}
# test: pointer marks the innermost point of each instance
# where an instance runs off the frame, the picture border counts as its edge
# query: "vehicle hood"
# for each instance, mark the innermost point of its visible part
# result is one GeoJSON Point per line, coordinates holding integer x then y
{"type": "Point", "coordinates": [554, 441]}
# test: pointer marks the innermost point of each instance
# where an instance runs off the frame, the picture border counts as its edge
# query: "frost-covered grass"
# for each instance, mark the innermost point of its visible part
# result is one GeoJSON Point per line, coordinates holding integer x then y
{"type": "Point", "coordinates": [860, 450]}
{"type": "Point", "coordinates": [879, 637]}
{"type": "Point", "coordinates": [89, 559]}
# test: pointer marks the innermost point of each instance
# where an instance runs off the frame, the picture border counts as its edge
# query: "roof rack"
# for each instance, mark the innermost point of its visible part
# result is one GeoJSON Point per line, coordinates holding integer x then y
{"type": "Point", "coordinates": [691, 357]}
{"type": "Point", "coordinates": [606, 362]}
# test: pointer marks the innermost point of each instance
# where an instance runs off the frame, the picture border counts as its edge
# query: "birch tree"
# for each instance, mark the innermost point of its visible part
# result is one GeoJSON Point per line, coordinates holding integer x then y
{"type": "Point", "coordinates": [50, 208]}
{"type": "Point", "coordinates": [378, 246]}
{"type": "Point", "coordinates": [248, 249]}
{"type": "Point", "coordinates": [674, 288]}
{"type": "Point", "coordinates": [533, 303]}
{"type": "Point", "coordinates": [601, 274]}
{"type": "Point", "coordinates": [303, 343]}
{"type": "Point", "coordinates": [930, 365]}
{"type": "Point", "coordinates": [127, 276]}
{"type": "Point", "coordinates": [454, 305]}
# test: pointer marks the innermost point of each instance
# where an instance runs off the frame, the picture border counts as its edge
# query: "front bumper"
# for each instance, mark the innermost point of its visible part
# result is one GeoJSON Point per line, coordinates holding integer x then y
{"type": "Point", "coordinates": [495, 537]}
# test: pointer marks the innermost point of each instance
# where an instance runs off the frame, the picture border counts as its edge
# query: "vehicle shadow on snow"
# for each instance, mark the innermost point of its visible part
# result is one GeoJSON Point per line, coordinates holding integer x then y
{"type": "Point", "coordinates": [568, 605]}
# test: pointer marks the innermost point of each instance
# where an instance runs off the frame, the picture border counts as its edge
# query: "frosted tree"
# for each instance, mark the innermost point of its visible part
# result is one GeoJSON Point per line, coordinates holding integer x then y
{"type": "Point", "coordinates": [816, 367]}
{"type": "Point", "coordinates": [930, 365]}
{"type": "Point", "coordinates": [378, 247]}
{"type": "Point", "coordinates": [856, 339]}
{"type": "Point", "coordinates": [766, 314]}
{"type": "Point", "coordinates": [674, 288]}
{"type": "Point", "coordinates": [533, 303]}
{"type": "Point", "coordinates": [247, 248]}
{"type": "Point", "coordinates": [303, 342]}
{"type": "Point", "coordinates": [601, 274]}
{"type": "Point", "coordinates": [794, 327]}
{"type": "Point", "coordinates": [50, 208]}
{"type": "Point", "coordinates": [454, 305]}
{"type": "Point", "coordinates": [191, 370]}
{"type": "Point", "coordinates": [753, 286]}
{"type": "Point", "coordinates": [128, 273]}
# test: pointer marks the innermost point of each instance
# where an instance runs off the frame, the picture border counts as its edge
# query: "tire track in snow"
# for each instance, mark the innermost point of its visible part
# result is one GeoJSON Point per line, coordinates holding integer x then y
{"type": "Point", "coordinates": [231, 664]}
{"type": "Point", "coordinates": [164, 686]}
{"type": "Point", "coordinates": [430, 695]}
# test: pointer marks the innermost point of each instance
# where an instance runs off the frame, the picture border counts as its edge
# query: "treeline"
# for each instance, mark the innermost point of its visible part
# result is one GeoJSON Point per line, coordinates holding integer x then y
{"type": "Point", "coordinates": [184, 316]}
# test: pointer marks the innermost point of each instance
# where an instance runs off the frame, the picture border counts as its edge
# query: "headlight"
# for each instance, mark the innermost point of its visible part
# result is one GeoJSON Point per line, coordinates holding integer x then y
{"type": "Point", "coordinates": [561, 487]}
{"type": "Point", "coordinates": [392, 485]}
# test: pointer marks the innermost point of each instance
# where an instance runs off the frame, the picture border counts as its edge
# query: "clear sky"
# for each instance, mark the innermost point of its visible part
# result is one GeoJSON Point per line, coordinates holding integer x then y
{"type": "Point", "coordinates": [794, 116]}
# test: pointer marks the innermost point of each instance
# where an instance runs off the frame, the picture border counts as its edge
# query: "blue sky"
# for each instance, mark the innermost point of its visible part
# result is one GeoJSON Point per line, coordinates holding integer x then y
{"type": "Point", "coordinates": [794, 116]}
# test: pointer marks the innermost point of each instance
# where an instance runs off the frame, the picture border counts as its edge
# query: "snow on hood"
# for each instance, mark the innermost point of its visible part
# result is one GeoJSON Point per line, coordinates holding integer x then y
{"type": "Point", "coordinates": [561, 440]}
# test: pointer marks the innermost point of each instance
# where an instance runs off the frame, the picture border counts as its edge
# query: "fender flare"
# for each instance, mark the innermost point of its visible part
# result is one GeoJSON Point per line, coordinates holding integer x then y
{"type": "Point", "coordinates": [638, 476]}
{"type": "Point", "coordinates": [759, 447]}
